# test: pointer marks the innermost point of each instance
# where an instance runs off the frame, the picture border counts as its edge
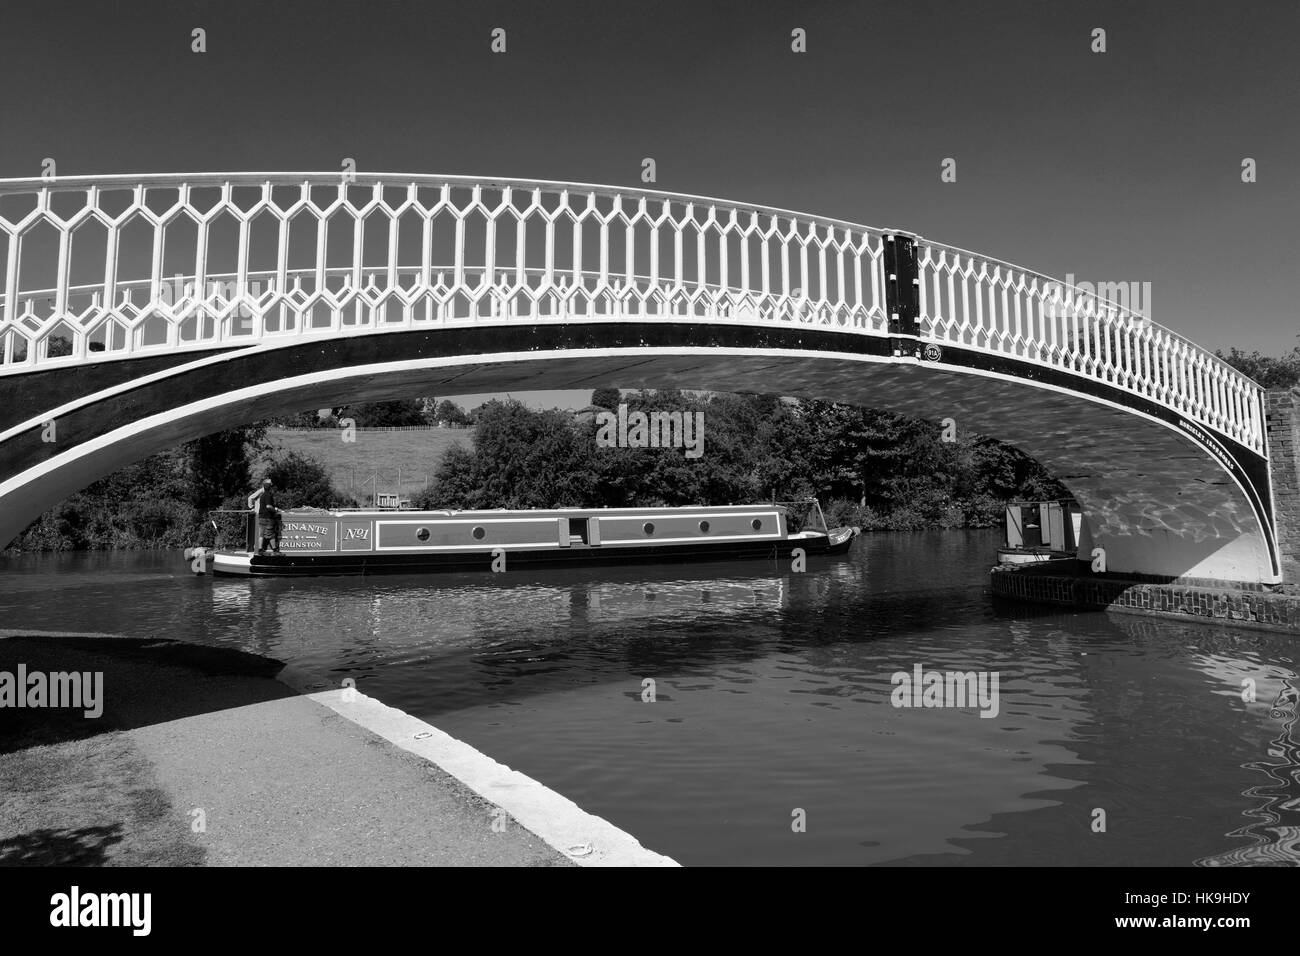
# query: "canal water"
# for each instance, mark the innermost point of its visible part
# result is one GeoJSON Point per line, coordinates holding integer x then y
{"type": "Point", "coordinates": [742, 714]}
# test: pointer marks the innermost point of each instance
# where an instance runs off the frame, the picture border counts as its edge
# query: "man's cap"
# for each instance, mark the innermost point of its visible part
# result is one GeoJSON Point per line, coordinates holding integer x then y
{"type": "Point", "coordinates": [266, 481]}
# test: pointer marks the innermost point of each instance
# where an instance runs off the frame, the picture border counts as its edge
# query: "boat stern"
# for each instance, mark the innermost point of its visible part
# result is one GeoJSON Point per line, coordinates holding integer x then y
{"type": "Point", "coordinates": [232, 562]}
{"type": "Point", "coordinates": [840, 539]}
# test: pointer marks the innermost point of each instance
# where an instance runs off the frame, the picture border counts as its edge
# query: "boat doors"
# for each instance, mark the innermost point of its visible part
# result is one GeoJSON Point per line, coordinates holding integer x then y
{"type": "Point", "coordinates": [1059, 532]}
{"type": "Point", "coordinates": [1044, 524]}
{"type": "Point", "coordinates": [1053, 530]}
{"type": "Point", "coordinates": [1015, 526]}
{"type": "Point", "coordinates": [576, 532]}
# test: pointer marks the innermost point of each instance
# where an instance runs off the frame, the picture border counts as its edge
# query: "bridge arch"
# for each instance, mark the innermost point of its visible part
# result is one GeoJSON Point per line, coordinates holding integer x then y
{"type": "Point", "coordinates": [470, 285]}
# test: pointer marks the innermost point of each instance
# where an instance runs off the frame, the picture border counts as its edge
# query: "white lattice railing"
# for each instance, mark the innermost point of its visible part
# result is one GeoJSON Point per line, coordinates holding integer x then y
{"type": "Point", "coordinates": [102, 268]}
{"type": "Point", "coordinates": [976, 302]}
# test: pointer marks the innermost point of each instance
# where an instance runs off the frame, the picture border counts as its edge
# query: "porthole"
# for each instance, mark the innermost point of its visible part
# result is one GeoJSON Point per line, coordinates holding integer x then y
{"type": "Point", "coordinates": [423, 534]}
{"type": "Point", "coordinates": [756, 525]}
{"type": "Point", "coordinates": [704, 527]}
{"type": "Point", "coordinates": [478, 534]}
{"type": "Point", "coordinates": [649, 527]}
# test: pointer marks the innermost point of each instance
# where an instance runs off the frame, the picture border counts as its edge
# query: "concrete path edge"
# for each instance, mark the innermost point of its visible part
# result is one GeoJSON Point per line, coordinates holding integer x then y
{"type": "Point", "coordinates": [584, 838]}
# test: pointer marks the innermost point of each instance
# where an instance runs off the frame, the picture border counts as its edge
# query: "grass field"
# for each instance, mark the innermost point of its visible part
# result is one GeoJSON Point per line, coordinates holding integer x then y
{"type": "Point", "coordinates": [353, 466]}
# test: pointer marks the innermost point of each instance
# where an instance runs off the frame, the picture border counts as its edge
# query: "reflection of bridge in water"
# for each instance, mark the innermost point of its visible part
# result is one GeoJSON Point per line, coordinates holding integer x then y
{"type": "Point", "coordinates": [1274, 832]}
{"type": "Point", "coordinates": [303, 290]}
{"type": "Point", "coordinates": [1227, 668]}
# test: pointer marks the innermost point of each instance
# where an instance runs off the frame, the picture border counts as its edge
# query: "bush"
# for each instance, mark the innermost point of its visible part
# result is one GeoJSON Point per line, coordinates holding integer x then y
{"type": "Point", "coordinates": [985, 511]}
{"type": "Point", "coordinates": [301, 481]}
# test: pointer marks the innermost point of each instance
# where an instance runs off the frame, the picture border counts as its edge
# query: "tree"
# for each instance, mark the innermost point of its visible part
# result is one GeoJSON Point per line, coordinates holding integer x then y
{"type": "Point", "coordinates": [301, 481]}
{"type": "Point", "coordinates": [727, 471]}
{"type": "Point", "coordinates": [455, 481]}
{"type": "Point", "coordinates": [1283, 372]}
{"type": "Point", "coordinates": [141, 505]}
{"type": "Point", "coordinates": [220, 464]}
{"type": "Point", "coordinates": [312, 418]}
{"type": "Point", "coordinates": [606, 398]}
{"type": "Point", "coordinates": [521, 459]}
{"type": "Point", "coordinates": [449, 414]}
{"type": "Point", "coordinates": [399, 412]}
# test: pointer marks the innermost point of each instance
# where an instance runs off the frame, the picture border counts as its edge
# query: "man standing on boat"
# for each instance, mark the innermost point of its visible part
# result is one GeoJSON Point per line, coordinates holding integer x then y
{"type": "Point", "coordinates": [268, 517]}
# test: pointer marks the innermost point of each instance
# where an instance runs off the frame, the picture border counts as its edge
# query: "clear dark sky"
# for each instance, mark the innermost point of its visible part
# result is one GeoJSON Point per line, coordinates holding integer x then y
{"type": "Point", "coordinates": [1121, 166]}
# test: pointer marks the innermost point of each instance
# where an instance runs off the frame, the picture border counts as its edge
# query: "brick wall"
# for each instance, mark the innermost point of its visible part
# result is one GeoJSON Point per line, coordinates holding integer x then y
{"type": "Point", "coordinates": [1255, 608]}
{"type": "Point", "coordinates": [1283, 423]}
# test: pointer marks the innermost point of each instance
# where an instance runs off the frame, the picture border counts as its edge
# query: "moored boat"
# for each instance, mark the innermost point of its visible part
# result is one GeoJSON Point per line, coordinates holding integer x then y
{"type": "Point", "coordinates": [317, 541]}
{"type": "Point", "coordinates": [1041, 531]}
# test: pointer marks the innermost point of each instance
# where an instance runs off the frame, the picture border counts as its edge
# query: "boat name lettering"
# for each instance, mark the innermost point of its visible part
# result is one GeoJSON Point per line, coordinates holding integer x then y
{"type": "Point", "coordinates": [312, 528]}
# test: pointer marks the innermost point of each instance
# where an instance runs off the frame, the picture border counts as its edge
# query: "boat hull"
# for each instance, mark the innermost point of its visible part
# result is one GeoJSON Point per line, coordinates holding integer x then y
{"type": "Point", "coordinates": [1032, 556]}
{"type": "Point", "coordinates": [484, 560]}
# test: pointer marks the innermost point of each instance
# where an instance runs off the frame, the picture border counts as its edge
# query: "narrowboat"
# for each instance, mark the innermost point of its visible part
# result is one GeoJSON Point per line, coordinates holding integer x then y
{"type": "Point", "coordinates": [1039, 531]}
{"type": "Point", "coordinates": [318, 542]}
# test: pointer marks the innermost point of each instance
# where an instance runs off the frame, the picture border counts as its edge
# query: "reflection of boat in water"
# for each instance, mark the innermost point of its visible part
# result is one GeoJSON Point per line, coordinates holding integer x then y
{"type": "Point", "coordinates": [317, 541]}
{"type": "Point", "coordinates": [473, 609]}
{"type": "Point", "coordinates": [717, 597]}
{"type": "Point", "coordinates": [1039, 531]}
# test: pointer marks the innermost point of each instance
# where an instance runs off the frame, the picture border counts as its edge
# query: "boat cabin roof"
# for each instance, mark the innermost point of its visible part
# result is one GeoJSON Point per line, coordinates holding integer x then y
{"type": "Point", "coordinates": [534, 512]}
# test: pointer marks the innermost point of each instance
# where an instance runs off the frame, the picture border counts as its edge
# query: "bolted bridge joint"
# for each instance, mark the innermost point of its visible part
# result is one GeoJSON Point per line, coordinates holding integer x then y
{"type": "Point", "coordinates": [903, 294]}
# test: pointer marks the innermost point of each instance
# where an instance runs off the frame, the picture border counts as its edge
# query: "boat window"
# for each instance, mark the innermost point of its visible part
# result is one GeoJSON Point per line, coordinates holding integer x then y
{"type": "Point", "coordinates": [649, 527]}
{"type": "Point", "coordinates": [756, 525]}
{"type": "Point", "coordinates": [704, 527]}
{"type": "Point", "coordinates": [478, 533]}
{"type": "Point", "coordinates": [423, 534]}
